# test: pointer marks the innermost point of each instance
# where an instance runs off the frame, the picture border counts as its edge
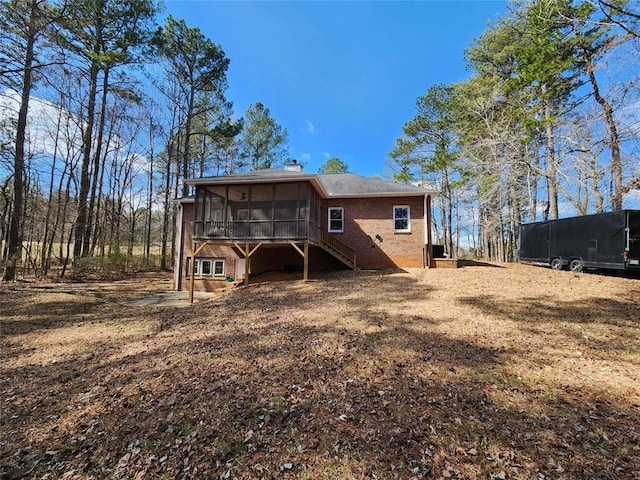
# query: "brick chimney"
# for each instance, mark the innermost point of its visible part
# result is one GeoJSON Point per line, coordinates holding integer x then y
{"type": "Point", "coordinates": [293, 166]}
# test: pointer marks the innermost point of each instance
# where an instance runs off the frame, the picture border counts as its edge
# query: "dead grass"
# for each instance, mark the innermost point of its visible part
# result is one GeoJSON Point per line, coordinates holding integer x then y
{"type": "Point", "coordinates": [482, 372]}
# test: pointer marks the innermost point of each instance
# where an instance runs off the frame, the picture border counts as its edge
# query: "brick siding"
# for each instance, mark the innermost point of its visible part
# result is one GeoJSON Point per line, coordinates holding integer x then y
{"type": "Point", "coordinates": [368, 229]}
{"type": "Point", "coordinates": [213, 252]}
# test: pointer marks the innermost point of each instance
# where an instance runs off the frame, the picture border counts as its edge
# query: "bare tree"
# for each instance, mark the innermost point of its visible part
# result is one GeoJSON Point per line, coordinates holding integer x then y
{"type": "Point", "coordinates": [23, 25]}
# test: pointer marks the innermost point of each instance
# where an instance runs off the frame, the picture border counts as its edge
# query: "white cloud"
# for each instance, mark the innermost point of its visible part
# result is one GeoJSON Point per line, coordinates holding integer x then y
{"type": "Point", "coordinates": [326, 155]}
{"type": "Point", "coordinates": [43, 120]}
{"type": "Point", "coordinates": [305, 157]}
{"type": "Point", "coordinates": [310, 127]}
{"type": "Point", "coordinates": [52, 130]}
{"type": "Point", "coordinates": [632, 199]}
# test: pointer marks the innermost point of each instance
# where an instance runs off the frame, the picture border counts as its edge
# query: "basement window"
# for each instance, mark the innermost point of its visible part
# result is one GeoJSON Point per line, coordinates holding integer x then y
{"type": "Point", "coordinates": [401, 219]}
{"type": "Point", "coordinates": [218, 268]}
{"type": "Point", "coordinates": [206, 267]}
{"type": "Point", "coordinates": [336, 219]}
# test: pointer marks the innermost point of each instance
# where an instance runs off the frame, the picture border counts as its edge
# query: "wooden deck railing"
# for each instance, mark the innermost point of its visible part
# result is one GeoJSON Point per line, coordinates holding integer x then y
{"type": "Point", "coordinates": [338, 248]}
{"type": "Point", "coordinates": [274, 231]}
{"type": "Point", "coordinates": [251, 230]}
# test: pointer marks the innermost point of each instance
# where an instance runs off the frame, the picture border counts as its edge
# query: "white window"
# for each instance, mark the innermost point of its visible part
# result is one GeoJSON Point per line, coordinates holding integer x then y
{"type": "Point", "coordinates": [218, 268]}
{"type": "Point", "coordinates": [188, 269]}
{"type": "Point", "coordinates": [206, 267]}
{"type": "Point", "coordinates": [401, 218]}
{"type": "Point", "coordinates": [336, 219]}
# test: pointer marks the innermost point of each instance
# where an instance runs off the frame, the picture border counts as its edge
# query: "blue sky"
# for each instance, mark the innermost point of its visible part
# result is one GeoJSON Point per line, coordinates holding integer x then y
{"type": "Point", "coordinates": [342, 77]}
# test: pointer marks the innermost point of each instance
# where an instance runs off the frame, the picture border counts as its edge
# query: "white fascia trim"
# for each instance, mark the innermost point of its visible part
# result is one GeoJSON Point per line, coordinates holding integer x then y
{"type": "Point", "coordinates": [380, 195]}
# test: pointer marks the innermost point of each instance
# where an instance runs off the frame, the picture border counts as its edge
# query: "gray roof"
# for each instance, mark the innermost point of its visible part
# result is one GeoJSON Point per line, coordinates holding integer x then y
{"type": "Point", "coordinates": [349, 185]}
{"type": "Point", "coordinates": [340, 185]}
{"type": "Point", "coordinates": [257, 176]}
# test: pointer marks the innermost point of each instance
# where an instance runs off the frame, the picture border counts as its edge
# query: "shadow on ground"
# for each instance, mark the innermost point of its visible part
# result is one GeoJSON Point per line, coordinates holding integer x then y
{"type": "Point", "coordinates": [258, 383]}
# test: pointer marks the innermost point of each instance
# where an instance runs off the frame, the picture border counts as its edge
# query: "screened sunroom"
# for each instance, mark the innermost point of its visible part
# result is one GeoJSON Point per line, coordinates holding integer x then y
{"type": "Point", "coordinates": [257, 212]}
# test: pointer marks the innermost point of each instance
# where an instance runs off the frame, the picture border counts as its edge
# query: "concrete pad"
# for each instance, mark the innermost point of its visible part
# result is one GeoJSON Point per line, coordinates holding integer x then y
{"type": "Point", "coordinates": [169, 299]}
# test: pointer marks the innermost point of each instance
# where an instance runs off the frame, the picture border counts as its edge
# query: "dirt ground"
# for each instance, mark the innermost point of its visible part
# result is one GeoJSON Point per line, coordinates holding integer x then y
{"type": "Point", "coordinates": [484, 372]}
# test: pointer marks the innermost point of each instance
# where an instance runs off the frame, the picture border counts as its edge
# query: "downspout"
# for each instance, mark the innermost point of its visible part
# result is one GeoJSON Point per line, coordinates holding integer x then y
{"type": "Point", "coordinates": [427, 230]}
{"type": "Point", "coordinates": [178, 260]}
{"type": "Point", "coordinates": [426, 226]}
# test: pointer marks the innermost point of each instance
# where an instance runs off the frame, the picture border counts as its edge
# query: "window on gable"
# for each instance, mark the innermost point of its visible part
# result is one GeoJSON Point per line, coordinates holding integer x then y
{"type": "Point", "coordinates": [401, 219]}
{"type": "Point", "coordinates": [336, 219]}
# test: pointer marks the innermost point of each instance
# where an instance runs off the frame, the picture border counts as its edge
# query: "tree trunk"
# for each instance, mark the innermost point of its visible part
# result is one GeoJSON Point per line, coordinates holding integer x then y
{"type": "Point", "coordinates": [187, 142]}
{"type": "Point", "coordinates": [48, 231]}
{"type": "Point", "coordinates": [66, 255]}
{"type": "Point", "coordinates": [614, 137]}
{"type": "Point", "coordinates": [100, 225]}
{"type": "Point", "coordinates": [5, 218]}
{"type": "Point", "coordinates": [97, 162]}
{"type": "Point", "coordinates": [15, 228]}
{"type": "Point", "coordinates": [595, 188]}
{"type": "Point", "coordinates": [457, 217]}
{"type": "Point", "coordinates": [172, 220]}
{"type": "Point", "coordinates": [449, 212]}
{"type": "Point", "coordinates": [552, 165]}
{"type": "Point", "coordinates": [165, 216]}
{"type": "Point", "coordinates": [147, 239]}
{"type": "Point", "coordinates": [82, 221]}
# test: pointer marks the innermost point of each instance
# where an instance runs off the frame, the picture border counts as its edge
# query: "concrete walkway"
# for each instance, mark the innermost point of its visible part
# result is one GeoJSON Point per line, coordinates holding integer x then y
{"type": "Point", "coordinates": [169, 299]}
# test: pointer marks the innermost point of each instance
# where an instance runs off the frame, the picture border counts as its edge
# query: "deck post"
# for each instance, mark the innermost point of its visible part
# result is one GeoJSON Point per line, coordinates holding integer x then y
{"type": "Point", "coordinates": [247, 264]}
{"type": "Point", "coordinates": [247, 257]}
{"type": "Point", "coordinates": [304, 252]}
{"type": "Point", "coordinates": [192, 273]}
{"type": "Point", "coordinates": [192, 279]}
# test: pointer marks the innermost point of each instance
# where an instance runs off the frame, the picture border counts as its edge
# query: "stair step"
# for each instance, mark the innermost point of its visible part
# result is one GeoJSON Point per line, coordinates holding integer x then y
{"type": "Point", "coordinates": [350, 262]}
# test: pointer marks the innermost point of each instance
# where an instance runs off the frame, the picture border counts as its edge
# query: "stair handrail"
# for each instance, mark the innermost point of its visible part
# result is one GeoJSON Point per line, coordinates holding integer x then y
{"type": "Point", "coordinates": [339, 246]}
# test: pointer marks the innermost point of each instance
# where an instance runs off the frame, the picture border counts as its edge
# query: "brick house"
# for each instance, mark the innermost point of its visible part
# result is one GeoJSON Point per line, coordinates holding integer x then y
{"type": "Point", "coordinates": [265, 220]}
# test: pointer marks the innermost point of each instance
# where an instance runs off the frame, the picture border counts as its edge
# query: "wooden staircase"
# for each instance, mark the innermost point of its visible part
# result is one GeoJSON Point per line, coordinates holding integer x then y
{"type": "Point", "coordinates": [324, 240]}
{"type": "Point", "coordinates": [338, 249]}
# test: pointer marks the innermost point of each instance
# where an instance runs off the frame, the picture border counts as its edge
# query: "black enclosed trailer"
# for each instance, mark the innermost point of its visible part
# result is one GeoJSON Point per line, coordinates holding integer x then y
{"type": "Point", "coordinates": [605, 240]}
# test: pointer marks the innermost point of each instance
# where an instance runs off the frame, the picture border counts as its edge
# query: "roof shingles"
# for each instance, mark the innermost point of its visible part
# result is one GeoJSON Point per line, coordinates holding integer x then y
{"type": "Point", "coordinates": [334, 185]}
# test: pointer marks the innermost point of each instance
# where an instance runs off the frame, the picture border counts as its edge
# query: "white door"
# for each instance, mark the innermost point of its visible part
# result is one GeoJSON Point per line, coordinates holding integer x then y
{"type": "Point", "coordinates": [240, 265]}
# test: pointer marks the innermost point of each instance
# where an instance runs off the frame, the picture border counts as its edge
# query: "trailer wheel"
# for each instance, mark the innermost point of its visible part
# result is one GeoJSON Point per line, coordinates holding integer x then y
{"type": "Point", "coordinates": [556, 264]}
{"type": "Point", "coordinates": [576, 265]}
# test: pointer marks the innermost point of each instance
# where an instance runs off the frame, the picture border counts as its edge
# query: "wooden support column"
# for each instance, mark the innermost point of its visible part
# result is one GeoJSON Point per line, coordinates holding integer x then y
{"type": "Point", "coordinates": [192, 273]}
{"type": "Point", "coordinates": [305, 255]}
{"type": "Point", "coordinates": [247, 256]}
{"type": "Point", "coordinates": [192, 277]}
{"type": "Point", "coordinates": [247, 259]}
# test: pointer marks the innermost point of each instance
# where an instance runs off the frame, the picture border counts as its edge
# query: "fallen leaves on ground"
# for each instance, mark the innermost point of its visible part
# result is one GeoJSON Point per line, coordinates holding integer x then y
{"type": "Point", "coordinates": [487, 371]}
